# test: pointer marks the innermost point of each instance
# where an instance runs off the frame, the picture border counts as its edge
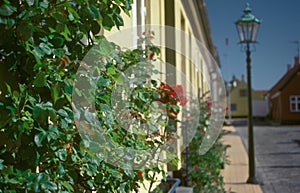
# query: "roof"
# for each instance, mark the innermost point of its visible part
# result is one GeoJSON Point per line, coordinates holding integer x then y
{"type": "Point", "coordinates": [261, 92]}
{"type": "Point", "coordinates": [285, 79]}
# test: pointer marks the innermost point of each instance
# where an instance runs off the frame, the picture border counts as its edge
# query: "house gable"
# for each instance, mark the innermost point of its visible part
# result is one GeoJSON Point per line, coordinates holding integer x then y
{"type": "Point", "coordinates": [280, 95]}
{"type": "Point", "coordinates": [292, 88]}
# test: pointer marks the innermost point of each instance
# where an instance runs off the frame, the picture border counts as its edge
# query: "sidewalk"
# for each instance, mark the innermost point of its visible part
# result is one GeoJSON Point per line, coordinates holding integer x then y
{"type": "Point", "coordinates": [236, 171]}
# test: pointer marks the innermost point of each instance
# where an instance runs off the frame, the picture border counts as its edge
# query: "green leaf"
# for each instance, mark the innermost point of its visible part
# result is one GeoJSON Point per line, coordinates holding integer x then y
{"type": "Point", "coordinates": [48, 185]}
{"type": "Point", "coordinates": [1, 164]}
{"type": "Point", "coordinates": [45, 48]}
{"type": "Point", "coordinates": [111, 71]}
{"type": "Point", "coordinates": [54, 93]}
{"type": "Point", "coordinates": [10, 22]}
{"type": "Point", "coordinates": [40, 114]}
{"type": "Point", "coordinates": [53, 132]}
{"type": "Point", "coordinates": [60, 169]}
{"type": "Point", "coordinates": [78, 92]}
{"type": "Point", "coordinates": [128, 4]}
{"type": "Point", "coordinates": [15, 95]}
{"type": "Point", "coordinates": [143, 96]}
{"type": "Point", "coordinates": [12, 181]}
{"type": "Point", "coordinates": [103, 81]}
{"type": "Point", "coordinates": [44, 4]}
{"type": "Point", "coordinates": [67, 186]}
{"type": "Point", "coordinates": [39, 138]}
{"type": "Point", "coordinates": [105, 107]}
{"type": "Point", "coordinates": [30, 2]}
{"type": "Point", "coordinates": [62, 154]}
{"type": "Point", "coordinates": [95, 27]}
{"type": "Point", "coordinates": [37, 160]}
{"type": "Point", "coordinates": [68, 88]}
{"type": "Point", "coordinates": [52, 115]}
{"type": "Point", "coordinates": [38, 52]}
{"type": "Point", "coordinates": [8, 88]}
{"type": "Point", "coordinates": [40, 79]}
{"type": "Point", "coordinates": [96, 12]}
{"type": "Point", "coordinates": [118, 20]}
{"type": "Point", "coordinates": [62, 113]}
{"type": "Point", "coordinates": [59, 17]}
{"type": "Point", "coordinates": [7, 10]}
{"type": "Point", "coordinates": [73, 15]}
{"type": "Point", "coordinates": [108, 22]}
{"type": "Point", "coordinates": [123, 186]}
{"type": "Point", "coordinates": [64, 31]}
{"type": "Point", "coordinates": [3, 21]}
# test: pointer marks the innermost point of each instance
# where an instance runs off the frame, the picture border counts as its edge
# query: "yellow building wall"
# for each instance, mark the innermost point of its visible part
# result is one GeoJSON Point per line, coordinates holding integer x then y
{"type": "Point", "coordinates": [241, 102]}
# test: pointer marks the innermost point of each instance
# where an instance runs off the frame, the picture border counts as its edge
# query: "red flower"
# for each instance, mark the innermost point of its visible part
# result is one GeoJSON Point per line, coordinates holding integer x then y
{"type": "Point", "coordinates": [196, 167]}
{"type": "Point", "coordinates": [171, 95]}
{"type": "Point", "coordinates": [188, 117]}
{"type": "Point", "coordinates": [152, 54]}
{"type": "Point", "coordinates": [208, 104]}
{"type": "Point", "coordinates": [180, 94]}
{"type": "Point", "coordinates": [167, 94]}
{"type": "Point", "coordinates": [140, 174]}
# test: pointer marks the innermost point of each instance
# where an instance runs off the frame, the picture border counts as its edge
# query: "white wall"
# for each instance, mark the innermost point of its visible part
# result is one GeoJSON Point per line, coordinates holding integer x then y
{"type": "Point", "coordinates": [260, 108]}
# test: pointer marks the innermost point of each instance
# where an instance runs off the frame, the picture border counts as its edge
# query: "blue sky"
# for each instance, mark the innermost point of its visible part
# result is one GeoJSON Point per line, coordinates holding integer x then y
{"type": "Point", "coordinates": [279, 29]}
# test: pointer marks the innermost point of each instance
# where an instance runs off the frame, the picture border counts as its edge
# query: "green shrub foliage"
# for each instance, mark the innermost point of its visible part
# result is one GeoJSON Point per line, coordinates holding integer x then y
{"type": "Point", "coordinates": [204, 171]}
{"type": "Point", "coordinates": [40, 46]}
{"type": "Point", "coordinates": [41, 150]}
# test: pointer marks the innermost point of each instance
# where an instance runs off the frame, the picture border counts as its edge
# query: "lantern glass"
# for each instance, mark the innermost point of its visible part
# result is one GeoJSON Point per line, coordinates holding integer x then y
{"type": "Point", "coordinates": [247, 26]}
{"type": "Point", "coordinates": [247, 31]}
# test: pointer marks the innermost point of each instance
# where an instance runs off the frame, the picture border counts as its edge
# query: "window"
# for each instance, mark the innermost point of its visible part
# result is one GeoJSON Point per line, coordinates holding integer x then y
{"type": "Point", "coordinates": [295, 103]}
{"type": "Point", "coordinates": [233, 107]}
{"type": "Point", "coordinates": [243, 93]}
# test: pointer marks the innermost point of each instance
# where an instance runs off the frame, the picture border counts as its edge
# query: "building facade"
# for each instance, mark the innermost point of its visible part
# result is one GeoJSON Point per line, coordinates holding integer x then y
{"type": "Point", "coordinates": [238, 106]}
{"type": "Point", "coordinates": [284, 96]}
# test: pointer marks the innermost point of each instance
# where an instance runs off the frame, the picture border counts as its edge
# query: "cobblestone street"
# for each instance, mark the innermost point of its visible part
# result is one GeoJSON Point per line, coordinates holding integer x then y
{"type": "Point", "coordinates": [277, 151]}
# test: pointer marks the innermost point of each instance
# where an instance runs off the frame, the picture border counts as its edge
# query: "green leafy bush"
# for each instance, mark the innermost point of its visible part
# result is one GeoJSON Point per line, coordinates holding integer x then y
{"type": "Point", "coordinates": [41, 149]}
{"type": "Point", "coordinates": [204, 172]}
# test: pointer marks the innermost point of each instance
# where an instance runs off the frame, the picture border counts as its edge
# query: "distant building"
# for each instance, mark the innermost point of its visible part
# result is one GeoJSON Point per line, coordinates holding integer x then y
{"type": "Point", "coordinates": [239, 99]}
{"type": "Point", "coordinates": [284, 96]}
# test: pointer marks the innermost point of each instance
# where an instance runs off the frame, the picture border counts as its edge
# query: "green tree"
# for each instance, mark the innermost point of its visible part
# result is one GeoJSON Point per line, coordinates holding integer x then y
{"type": "Point", "coordinates": [41, 149]}
{"type": "Point", "coordinates": [41, 46]}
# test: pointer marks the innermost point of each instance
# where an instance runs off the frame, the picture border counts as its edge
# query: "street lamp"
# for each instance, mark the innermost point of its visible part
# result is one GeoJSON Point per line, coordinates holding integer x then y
{"type": "Point", "coordinates": [247, 28]}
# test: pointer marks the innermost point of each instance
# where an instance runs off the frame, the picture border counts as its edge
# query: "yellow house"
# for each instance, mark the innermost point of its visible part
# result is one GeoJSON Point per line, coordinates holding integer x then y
{"type": "Point", "coordinates": [239, 98]}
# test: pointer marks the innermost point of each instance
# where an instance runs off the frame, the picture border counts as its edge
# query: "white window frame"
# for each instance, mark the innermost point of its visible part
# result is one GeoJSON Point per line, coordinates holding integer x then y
{"type": "Point", "coordinates": [138, 24]}
{"type": "Point", "coordinates": [295, 99]}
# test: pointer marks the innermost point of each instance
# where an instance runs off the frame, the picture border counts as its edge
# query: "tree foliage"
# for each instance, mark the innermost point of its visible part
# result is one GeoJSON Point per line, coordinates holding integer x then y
{"type": "Point", "coordinates": [41, 46]}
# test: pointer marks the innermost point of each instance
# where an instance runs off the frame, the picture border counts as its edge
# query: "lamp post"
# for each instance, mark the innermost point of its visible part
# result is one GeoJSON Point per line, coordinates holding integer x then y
{"type": "Point", "coordinates": [247, 27]}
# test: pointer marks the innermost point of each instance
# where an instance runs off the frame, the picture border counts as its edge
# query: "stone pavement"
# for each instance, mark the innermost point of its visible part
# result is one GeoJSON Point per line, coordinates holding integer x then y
{"type": "Point", "coordinates": [235, 172]}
